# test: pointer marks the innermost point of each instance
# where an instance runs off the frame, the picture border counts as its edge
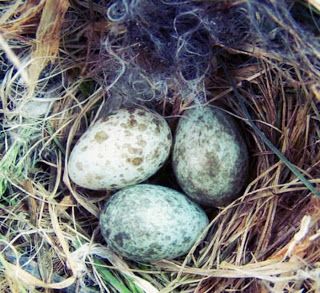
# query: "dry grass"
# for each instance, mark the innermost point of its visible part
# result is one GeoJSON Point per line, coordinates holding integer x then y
{"type": "Point", "coordinates": [266, 241]}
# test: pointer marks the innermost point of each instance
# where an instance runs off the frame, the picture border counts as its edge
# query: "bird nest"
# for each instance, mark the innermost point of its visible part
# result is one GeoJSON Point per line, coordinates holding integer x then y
{"type": "Point", "coordinates": [64, 64]}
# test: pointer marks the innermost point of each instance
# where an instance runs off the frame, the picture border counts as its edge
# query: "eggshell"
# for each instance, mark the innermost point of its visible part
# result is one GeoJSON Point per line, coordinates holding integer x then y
{"type": "Point", "coordinates": [35, 109]}
{"type": "Point", "coordinates": [149, 222]}
{"type": "Point", "coordinates": [210, 157]}
{"type": "Point", "coordinates": [125, 148]}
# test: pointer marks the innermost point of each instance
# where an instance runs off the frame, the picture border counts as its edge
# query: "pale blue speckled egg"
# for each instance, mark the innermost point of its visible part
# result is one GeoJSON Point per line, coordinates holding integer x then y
{"type": "Point", "coordinates": [210, 157]}
{"type": "Point", "coordinates": [147, 223]}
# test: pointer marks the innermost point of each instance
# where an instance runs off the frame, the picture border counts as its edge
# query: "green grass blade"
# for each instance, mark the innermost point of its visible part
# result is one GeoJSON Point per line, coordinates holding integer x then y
{"type": "Point", "coordinates": [109, 278]}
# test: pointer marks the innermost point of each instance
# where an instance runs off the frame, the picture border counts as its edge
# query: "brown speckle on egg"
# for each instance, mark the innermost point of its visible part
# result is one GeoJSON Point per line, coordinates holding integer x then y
{"type": "Point", "coordinates": [135, 161]}
{"type": "Point", "coordinates": [100, 136]}
{"type": "Point", "coordinates": [132, 122]}
{"type": "Point", "coordinates": [142, 142]}
{"type": "Point", "coordinates": [142, 127]}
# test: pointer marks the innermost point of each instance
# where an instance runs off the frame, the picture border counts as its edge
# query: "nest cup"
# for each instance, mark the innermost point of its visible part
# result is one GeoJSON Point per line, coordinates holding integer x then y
{"type": "Point", "coordinates": [256, 61]}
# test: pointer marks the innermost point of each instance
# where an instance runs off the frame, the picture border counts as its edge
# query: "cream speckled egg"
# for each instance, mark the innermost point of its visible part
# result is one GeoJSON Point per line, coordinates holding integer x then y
{"type": "Point", "coordinates": [149, 222]}
{"type": "Point", "coordinates": [210, 157]}
{"type": "Point", "coordinates": [125, 148]}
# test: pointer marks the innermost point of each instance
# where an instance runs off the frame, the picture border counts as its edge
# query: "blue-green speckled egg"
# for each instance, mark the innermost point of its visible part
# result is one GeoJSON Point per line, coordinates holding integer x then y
{"type": "Point", "coordinates": [210, 157]}
{"type": "Point", "coordinates": [147, 223]}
